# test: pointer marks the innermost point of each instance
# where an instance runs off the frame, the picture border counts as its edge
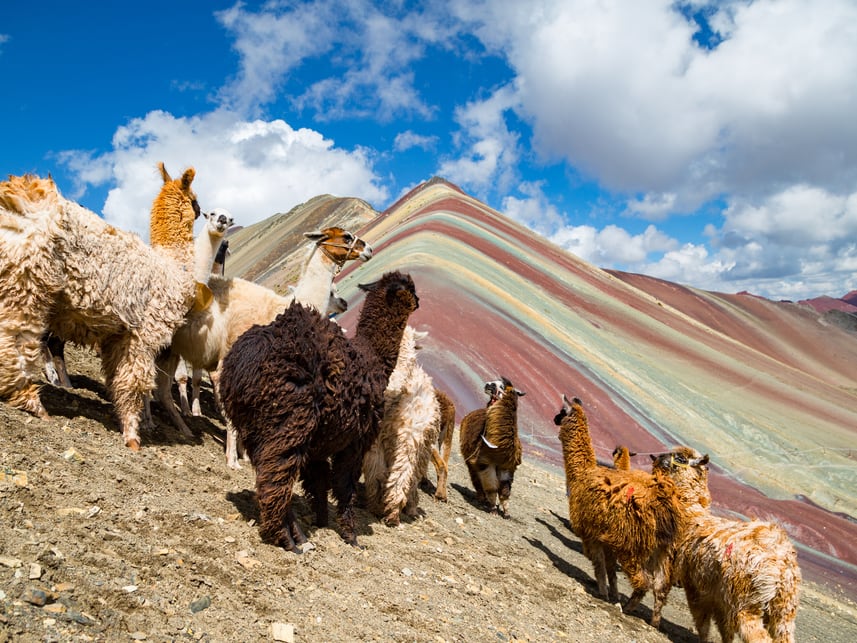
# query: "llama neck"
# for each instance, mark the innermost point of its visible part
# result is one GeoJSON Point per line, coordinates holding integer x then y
{"type": "Point", "coordinates": [313, 288]}
{"type": "Point", "coordinates": [577, 450]}
{"type": "Point", "coordinates": [503, 413]}
{"type": "Point", "coordinates": [381, 329]}
{"type": "Point", "coordinates": [406, 361]}
{"type": "Point", "coordinates": [205, 247]}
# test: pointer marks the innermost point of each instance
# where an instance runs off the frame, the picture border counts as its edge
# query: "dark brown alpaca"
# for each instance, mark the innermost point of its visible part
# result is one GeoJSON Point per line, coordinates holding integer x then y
{"type": "Point", "coordinates": [307, 402]}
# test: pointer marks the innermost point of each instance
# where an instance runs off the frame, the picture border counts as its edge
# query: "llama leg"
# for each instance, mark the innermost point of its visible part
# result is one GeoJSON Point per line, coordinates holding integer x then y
{"type": "Point", "coordinates": [505, 490]}
{"type": "Point", "coordinates": [474, 479]}
{"type": "Point", "coordinates": [181, 380]}
{"type": "Point", "coordinates": [610, 569]}
{"type": "Point", "coordinates": [403, 471]}
{"type": "Point", "coordinates": [231, 446]}
{"type": "Point", "coordinates": [374, 474]}
{"type": "Point", "coordinates": [490, 484]}
{"type": "Point", "coordinates": [751, 627]}
{"type": "Point", "coordinates": [598, 556]}
{"type": "Point", "coordinates": [442, 471]}
{"type": "Point", "coordinates": [660, 589]}
{"type": "Point", "coordinates": [20, 351]}
{"type": "Point", "coordinates": [701, 615]}
{"type": "Point", "coordinates": [129, 373]}
{"type": "Point", "coordinates": [57, 349]}
{"type": "Point", "coordinates": [345, 472]}
{"type": "Point", "coordinates": [167, 362]}
{"type": "Point", "coordinates": [275, 479]}
{"type": "Point", "coordinates": [638, 581]}
{"type": "Point", "coordinates": [196, 378]}
{"type": "Point", "coordinates": [316, 482]}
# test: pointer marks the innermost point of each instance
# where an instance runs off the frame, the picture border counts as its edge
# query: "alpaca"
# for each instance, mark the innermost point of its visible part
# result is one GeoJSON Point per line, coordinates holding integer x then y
{"type": "Point", "coordinates": [65, 270]}
{"type": "Point", "coordinates": [398, 459]}
{"type": "Point", "coordinates": [742, 574]}
{"type": "Point", "coordinates": [207, 335]}
{"type": "Point", "coordinates": [441, 450]}
{"type": "Point", "coordinates": [622, 458]}
{"type": "Point", "coordinates": [631, 517]}
{"type": "Point", "coordinates": [208, 241]}
{"type": "Point", "coordinates": [490, 445]}
{"type": "Point", "coordinates": [206, 247]}
{"type": "Point", "coordinates": [308, 401]}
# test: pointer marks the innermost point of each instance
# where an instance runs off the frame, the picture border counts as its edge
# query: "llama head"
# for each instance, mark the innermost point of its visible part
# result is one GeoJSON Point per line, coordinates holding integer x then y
{"type": "Point", "coordinates": [396, 288]}
{"type": "Point", "coordinates": [340, 245]}
{"type": "Point", "coordinates": [173, 212]}
{"type": "Point", "coordinates": [689, 470]}
{"type": "Point", "coordinates": [575, 406]}
{"type": "Point", "coordinates": [218, 221]}
{"type": "Point", "coordinates": [335, 304]}
{"type": "Point", "coordinates": [495, 389]}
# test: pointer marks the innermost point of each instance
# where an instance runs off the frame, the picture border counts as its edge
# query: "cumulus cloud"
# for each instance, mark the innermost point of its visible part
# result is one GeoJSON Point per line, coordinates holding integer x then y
{"type": "Point", "coordinates": [407, 140]}
{"type": "Point", "coordinates": [625, 94]}
{"type": "Point", "coordinates": [368, 52]}
{"type": "Point", "coordinates": [489, 150]}
{"type": "Point", "coordinates": [252, 168]}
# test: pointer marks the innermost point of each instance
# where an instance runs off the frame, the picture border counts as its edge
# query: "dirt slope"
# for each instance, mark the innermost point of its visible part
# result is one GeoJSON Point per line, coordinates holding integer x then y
{"type": "Point", "coordinates": [100, 544]}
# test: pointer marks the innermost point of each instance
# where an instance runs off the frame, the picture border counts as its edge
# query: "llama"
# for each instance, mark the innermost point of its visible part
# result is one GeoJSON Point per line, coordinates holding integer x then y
{"type": "Point", "coordinates": [207, 335]}
{"type": "Point", "coordinates": [398, 459]}
{"type": "Point", "coordinates": [441, 450]}
{"type": "Point", "coordinates": [631, 517]}
{"type": "Point", "coordinates": [622, 458]}
{"type": "Point", "coordinates": [207, 247]}
{"type": "Point", "coordinates": [742, 574]}
{"type": "Point", "coordinates": [208, 242]}
{"type": "Point", "coordinates": [65, 270]}
{"type": "Point", "coordinates": [308, 401]}
{"type": "Point", "coordinates": [490, 446]}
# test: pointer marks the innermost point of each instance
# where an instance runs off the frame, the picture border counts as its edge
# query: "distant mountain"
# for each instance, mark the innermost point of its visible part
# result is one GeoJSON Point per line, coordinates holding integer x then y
{"type": "Point", "coordinates": [768, 389]}
{"type": "Point", "coordinates": [846, 304]}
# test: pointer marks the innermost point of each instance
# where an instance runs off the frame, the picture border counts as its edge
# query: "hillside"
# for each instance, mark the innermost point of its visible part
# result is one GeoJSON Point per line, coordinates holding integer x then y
{"type": "Point", "coordinates": [768, 389]}
{"type": "Point", "coordinates": [101, 544]}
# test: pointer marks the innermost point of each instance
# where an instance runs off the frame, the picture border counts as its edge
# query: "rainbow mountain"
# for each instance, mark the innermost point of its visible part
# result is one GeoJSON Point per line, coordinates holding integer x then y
{"type": "Point", "coordinates": [767, 389]}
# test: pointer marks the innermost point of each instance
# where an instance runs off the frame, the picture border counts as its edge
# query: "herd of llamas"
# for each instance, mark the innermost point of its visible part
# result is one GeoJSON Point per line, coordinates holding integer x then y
{"type": "Point", "coordinates": [303, 402]}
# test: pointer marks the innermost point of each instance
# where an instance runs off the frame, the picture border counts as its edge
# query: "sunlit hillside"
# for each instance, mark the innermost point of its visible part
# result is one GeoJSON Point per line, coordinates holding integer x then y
{"type": "Point", "coordinates": [768, 389]}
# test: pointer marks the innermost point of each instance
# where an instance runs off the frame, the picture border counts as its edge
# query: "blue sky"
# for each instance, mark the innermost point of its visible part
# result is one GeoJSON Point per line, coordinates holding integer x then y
{"type": "Point", "coordinates": [709, 144]}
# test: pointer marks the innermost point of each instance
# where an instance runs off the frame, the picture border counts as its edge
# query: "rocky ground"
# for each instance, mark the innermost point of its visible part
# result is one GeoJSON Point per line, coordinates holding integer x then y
{"type": "Point", "coordinates": [101, 544]}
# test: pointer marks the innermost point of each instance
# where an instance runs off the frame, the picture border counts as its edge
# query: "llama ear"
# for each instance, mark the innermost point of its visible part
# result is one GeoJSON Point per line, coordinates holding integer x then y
{"type": "Point", "coordinates": [699, 462]}
{"type": "Point", "coordinates": [653, 457]}
{"type": "Point", "coordinates": [369, 287]}
{"type": "Point", "coordinates": [187, 178]}
{"type": "Point", "coordinates": [519, 393]}
{"type": "Point", "coordinates": [316, 236]}
{"type": "Point", "coordinates": [164, 174]}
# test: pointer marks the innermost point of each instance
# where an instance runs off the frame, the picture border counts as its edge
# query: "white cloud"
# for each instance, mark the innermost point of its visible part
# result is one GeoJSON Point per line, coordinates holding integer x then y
{"type": "Point", "coordinates": [622, 92]}
{"type": "Point", "coordinates": [490, 149]}
{"type": "Point", "coordinates": [252, 168]}
{"type": "Point", "coordinates": [270, 44]}
{"type": "Point", "coordinates": [368, 52]}
{"type": "Point", "coordinates": [407, 140]}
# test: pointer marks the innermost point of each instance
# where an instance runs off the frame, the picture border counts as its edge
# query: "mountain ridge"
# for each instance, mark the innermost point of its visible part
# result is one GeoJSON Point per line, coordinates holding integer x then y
{"type": "Point", "coordinates": [767, 388]}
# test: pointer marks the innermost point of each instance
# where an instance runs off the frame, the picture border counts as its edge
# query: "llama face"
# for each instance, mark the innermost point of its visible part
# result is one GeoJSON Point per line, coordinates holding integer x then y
{"type": "Point", "coordinates": [495, 389]}
{"type": "Point", "coordinates": [218, 220]}
{"type": "Point", "coordinates": [340, 245]}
